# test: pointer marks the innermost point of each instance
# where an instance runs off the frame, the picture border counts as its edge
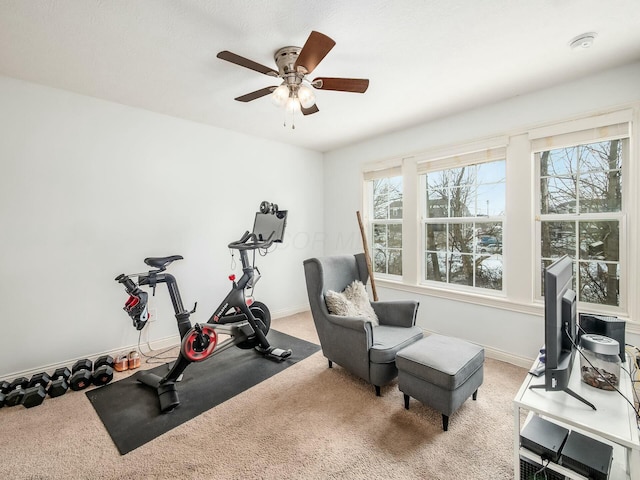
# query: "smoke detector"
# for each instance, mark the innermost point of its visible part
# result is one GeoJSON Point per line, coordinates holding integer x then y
{"type": "Point", "coordinates": [583, 41]}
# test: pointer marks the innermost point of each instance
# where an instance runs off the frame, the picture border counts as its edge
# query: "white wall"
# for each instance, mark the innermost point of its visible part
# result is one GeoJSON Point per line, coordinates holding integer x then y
{"type": "Point", "coordinates": [514, 331]}
{"type": "Point", "coordinates": [89, 188]}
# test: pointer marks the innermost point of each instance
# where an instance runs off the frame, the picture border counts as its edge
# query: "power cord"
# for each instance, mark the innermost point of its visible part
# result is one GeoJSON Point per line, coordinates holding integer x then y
{"type": "Point", "coordinates": [635, 365]}
{"type": "Point", "coordinates": [543, 469]}
{"type": "Point", "coordinates": [157, 358]}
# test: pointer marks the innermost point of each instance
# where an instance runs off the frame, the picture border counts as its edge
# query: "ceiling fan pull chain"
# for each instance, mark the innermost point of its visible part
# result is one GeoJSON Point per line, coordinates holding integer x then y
{"type": "Point", "coordinates": [293, 120]}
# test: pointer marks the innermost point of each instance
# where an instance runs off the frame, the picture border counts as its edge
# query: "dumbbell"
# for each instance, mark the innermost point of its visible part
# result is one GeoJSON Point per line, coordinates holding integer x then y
{"type": "Point", "coordinates": [36, 390]}
{"type": "Point", "coordinates": [26, 393]}
{"type": "Point", "coordinates": [4, 389]}
{"type": "Point", "coordinates": [29, 393]}
{"type": "Point", "coordinates": [81, 374]}
{"type": "Point", "coordinates": [103, 370]}
{"type": "Point", "coordinates": [41, 378]}
{"type": "Point", "coordinates": [16, 391]}
{"type": "Point", "coordinates": [60, 382]}
{"type": "Point", "coordinates": [34, 396]}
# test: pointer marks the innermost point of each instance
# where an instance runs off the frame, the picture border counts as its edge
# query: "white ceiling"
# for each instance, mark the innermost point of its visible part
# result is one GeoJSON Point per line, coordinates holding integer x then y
{"type": "Point", "coordinates": [425, 58]}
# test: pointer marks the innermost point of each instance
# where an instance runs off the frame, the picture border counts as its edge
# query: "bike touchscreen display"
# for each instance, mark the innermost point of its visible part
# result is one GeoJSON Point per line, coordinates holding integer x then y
{"type": "Point", "coordinates": [268, 223]}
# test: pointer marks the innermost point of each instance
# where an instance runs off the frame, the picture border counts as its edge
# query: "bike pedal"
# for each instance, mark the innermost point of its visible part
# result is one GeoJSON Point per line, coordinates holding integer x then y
{"type": "Point", "coordinates": [280, 353]}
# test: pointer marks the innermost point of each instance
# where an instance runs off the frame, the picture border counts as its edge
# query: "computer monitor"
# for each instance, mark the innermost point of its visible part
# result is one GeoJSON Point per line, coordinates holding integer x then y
{"type": "Point", "coordinates": [267, 224]}
{"type": "Point", "coordinates": [559, 323]}
{"type": "Point", "coordinates": [560, 327]}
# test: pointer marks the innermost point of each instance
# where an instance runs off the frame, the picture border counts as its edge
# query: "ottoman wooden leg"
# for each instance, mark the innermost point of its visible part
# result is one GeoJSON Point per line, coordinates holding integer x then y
{"type": "Point", "coordinates": [445, 422]}
{"type": "Point", "coordinates": [475, 395]}
{"type": "Point", "coordinates": [406, 401]}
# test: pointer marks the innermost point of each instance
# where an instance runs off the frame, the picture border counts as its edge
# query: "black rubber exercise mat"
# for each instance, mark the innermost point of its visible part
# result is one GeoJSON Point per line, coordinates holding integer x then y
{"type": "Point", "coordinates": [131, 412]}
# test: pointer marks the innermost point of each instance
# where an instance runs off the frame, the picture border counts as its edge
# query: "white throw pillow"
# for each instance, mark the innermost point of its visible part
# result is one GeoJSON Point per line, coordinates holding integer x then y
{"type": "Point", "coordinates": [353, 302]}
{"type": "Point", "coordinates": [338, 304]}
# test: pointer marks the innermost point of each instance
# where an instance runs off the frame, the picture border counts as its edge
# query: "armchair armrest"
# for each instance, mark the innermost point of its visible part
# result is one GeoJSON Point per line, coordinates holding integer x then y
{"type": "Point", "coordinates": [353, 323]}
{"type": "Point", "coordinates": [399, 313]}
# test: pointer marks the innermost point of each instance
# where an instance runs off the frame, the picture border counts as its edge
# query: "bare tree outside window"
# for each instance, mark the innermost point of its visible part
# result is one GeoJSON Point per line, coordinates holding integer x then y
{"type": "Point", "coordinates": [386, 225]}
{"type": "Point", "coordinates": [463, 225]}
{"type": "Point", "coordinates": [580, 207]}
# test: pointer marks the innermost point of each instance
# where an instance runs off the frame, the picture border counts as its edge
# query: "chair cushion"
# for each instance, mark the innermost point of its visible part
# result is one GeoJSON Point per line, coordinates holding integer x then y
{"type": "Point", "coordinates": [389, 340]}
{"type": "Point", "coordinates": [444, 361]}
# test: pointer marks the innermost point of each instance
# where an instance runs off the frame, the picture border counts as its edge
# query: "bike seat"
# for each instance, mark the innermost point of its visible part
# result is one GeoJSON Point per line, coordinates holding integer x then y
{"type": "Point", "coordinates": [162, 262]}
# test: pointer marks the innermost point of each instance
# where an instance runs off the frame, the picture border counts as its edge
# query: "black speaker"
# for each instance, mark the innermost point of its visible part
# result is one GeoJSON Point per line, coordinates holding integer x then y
{"type": "Point", "coordinates": [611, 327]}
{"type": "Point", "coordinates": [587, 456]}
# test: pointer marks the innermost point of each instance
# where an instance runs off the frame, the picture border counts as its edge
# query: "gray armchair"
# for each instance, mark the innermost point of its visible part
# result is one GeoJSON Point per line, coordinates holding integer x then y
{"type": "Point", "coordinates": [354, 343]}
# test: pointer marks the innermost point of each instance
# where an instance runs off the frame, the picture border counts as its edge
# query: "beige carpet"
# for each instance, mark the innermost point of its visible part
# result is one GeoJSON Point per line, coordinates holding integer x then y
{"type": "Point", "coordinates": [306, 422]}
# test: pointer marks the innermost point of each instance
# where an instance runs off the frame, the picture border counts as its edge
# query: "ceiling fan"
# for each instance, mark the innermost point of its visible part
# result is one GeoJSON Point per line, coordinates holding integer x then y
{"type": "Point", "coordinates": [294, 64]}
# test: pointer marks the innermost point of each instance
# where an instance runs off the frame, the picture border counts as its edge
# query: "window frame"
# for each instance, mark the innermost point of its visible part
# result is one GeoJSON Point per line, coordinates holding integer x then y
{"type": "Point", "coordinates": [477, 158]}
{"type": "Point", "coordinates": [603, 133]}
{"type": "Point", "coordinates": [521, 236]}
{"type": "Point", "coordinates": [371, 221]}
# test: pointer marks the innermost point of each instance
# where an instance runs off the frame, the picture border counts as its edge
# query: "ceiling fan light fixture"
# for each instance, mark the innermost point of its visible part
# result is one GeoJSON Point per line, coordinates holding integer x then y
{"type": "Point", "coordinates": [306, 96]}
{"type": "Point", "coordinates": [292, 105]}
{"type": "Point", "coordinates": [296, 94]}
{"type": "Point", "coordinates": [280, 95]}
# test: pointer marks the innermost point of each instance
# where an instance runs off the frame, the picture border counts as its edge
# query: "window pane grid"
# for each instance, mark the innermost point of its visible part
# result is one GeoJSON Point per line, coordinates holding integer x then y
{"type": "Point", "coordinates": [463, 220]}
{"type": "Point", "coordinates": [581, 212]}
{"type": "Point", "coordinates": [386, 211]}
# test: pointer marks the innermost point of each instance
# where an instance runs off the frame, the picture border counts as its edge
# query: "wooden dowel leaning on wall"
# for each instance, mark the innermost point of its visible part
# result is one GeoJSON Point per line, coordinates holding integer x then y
{"type": "Point", "coordinates": [365, 245]}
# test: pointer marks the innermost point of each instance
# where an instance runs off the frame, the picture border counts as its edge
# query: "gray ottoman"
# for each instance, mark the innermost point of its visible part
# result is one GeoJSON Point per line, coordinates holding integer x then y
{"type": "Point", "coordinates": [441, 372]}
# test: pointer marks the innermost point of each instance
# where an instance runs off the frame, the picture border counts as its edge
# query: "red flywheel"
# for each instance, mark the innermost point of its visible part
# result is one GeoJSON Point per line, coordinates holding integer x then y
{"type": "Point", "coordinates": [197, 346]}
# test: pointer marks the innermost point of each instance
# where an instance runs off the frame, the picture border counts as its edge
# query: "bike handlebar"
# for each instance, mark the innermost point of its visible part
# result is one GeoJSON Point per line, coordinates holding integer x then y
{"type": "Point", "coordinates": [129, 285]}
{"type": "Point", "coordinates": [254, 244]}
{"type": "Point", "coordinates": [136, 306]}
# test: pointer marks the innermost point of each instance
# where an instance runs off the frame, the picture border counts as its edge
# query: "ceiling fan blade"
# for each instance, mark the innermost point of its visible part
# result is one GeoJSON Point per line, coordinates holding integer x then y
{"type": "Point", "coordinates": [245, 62]}
{"type": "Point", "coordinates": [356, 85]}
{"type": "Point", "coordinates": [314, 50]}
{"type": "Point", "coordinates": [257, 94]}
{"type": "Point", "coordinates": [308, 111]}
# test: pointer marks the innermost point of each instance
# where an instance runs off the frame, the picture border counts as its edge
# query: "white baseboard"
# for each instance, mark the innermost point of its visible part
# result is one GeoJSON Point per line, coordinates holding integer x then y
{"type": "Point", "coordinates": [159, 344]}
{"type": "Point", "coordinates": [286, 312]}
{"type": "Point", "coordinates": [508, 357]}
{"type": "Point", "coordinates": [496, 354]}
{"type": "Point", "coordinates": [174, 340]}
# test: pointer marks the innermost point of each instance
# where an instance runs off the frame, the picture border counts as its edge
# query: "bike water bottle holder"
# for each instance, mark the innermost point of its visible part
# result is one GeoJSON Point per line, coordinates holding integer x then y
{"type": "Point", "coordinates": [136, 308]}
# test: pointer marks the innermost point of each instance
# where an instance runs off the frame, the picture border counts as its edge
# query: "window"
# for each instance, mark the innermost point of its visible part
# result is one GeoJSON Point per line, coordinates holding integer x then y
{"type": "Point", "coordinates": [581, 206]}
{"type": "Point", "coordinates": [463, 218]}
{"type": "Point", "coordinates": [385, 215]}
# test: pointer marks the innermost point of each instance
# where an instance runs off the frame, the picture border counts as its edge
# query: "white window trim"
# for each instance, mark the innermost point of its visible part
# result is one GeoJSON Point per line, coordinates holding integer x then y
{"type": "Point", "coordinates": [595, 132]}
{"type": "Point", "coordinates": [481, 152]}
{"type": "Point", "coordinates": [519, 272]}
{"type": "Point", "coordinates": [385, 171]}
{"type": "Point", "coordinates": [582, 124]}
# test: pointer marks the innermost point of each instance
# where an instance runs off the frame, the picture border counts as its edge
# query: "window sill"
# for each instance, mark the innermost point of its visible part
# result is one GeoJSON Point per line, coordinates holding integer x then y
{"type": "Point", "coordinates": [493, 301]}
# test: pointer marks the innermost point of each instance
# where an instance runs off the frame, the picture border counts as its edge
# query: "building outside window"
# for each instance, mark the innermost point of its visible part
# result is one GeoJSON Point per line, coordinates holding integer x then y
{"type": "Point", "coordinates": [463, 219]}
{"type": "Point", "coordinates": [581, 210]}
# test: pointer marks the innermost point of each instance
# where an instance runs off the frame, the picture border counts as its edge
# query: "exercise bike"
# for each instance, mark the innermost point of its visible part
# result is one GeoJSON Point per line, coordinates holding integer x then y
{"type": "Point", "coordinates": [246, 321]}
